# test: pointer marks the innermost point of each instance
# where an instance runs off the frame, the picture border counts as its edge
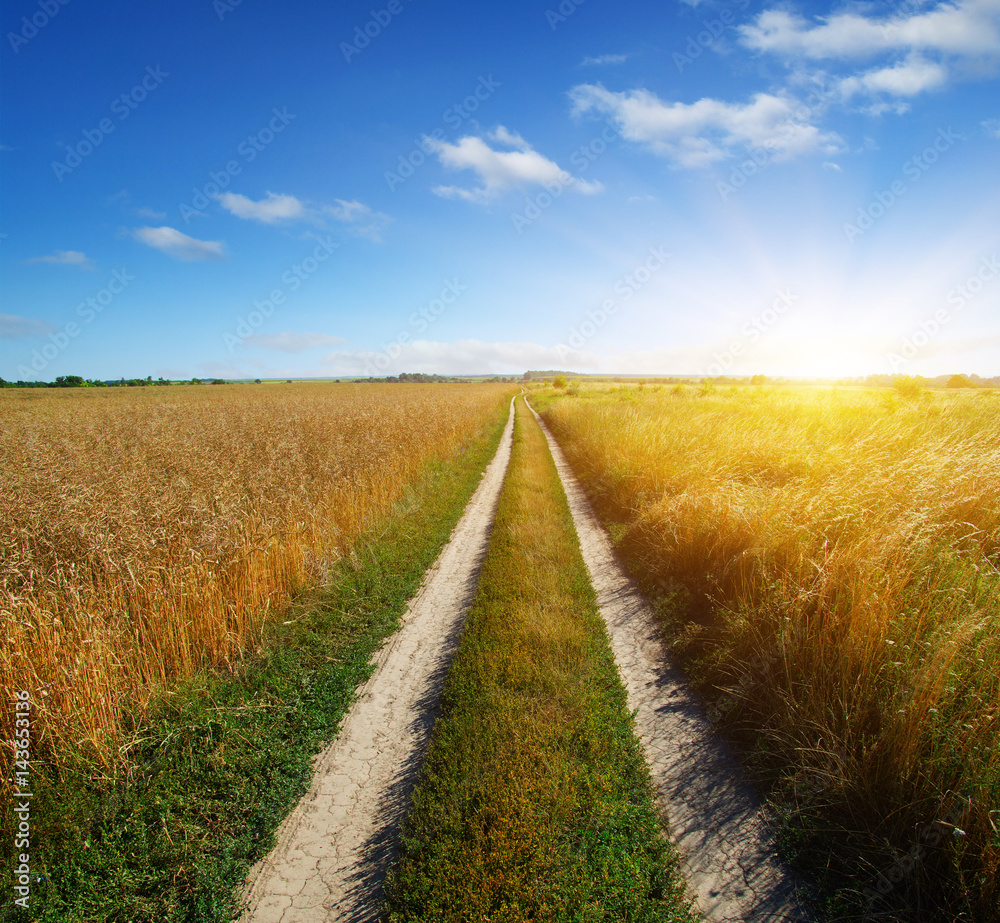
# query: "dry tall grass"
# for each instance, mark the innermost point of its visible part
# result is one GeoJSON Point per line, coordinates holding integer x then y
{"type": "Point", "coordinates": [144, 533]}
{"type": "Point", "coordinates": [837, 552]}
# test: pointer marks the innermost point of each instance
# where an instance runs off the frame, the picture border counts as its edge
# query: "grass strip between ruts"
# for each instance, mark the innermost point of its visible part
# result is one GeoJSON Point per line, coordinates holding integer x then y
{"type": "Point", "coordinates": [534, 800]}
{"type": "Point", "coordinates": [226, 758]}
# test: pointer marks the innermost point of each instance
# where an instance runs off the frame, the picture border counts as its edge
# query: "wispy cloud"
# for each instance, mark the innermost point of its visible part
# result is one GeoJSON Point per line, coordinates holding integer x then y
{"type": "Point", "coordinates": [991, 127]}
{"type": "Point", "coordinates": [269, 210]}
{"type": "Point", "coordinates": [15, 327]}
{"type": "Point", "coordinates": [64, 258]}
{"type": "Point", "coordinates": [603, 59]}
{"type": "Point", "coordinates": [150, 213]}
{"type": "Point", "coordinates": [174, 243]}
{"type": "Point", "coordinates": [222, 370]}
{"type": "Point", "coordinates": [462, 357]}
{"type": "Point", "coordinates": [500, 170]}
{"type": "Point", "coordinates": [359, 218]}
{"type": "Point", "coordinates": [698, 134]}
{"type": "Point", "coordinates": [289, 341]}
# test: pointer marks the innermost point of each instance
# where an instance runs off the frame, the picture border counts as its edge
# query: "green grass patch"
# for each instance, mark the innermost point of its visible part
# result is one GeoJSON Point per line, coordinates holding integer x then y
{"type": "Point", "coordinates": [225, 758]}
{"type": "Point", "coordinates": [534, 802]}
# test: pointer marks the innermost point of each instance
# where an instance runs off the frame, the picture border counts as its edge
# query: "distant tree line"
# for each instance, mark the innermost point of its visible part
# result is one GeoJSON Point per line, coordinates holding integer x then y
{"type": "Point", "coordinates": [78, 381]}
{"type": "Point", "coordinates": [423, 378]}
{"type": "Point", "coordinates": [419, 377]}
{"type": "Point", "coordinates": [551, 373]}
{"type": "Point", "coordinates": [909, 383]}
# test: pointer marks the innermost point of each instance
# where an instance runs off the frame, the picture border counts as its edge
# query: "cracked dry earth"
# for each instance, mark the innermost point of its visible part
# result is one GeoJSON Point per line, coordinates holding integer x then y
{"type": "Point", "coordinates": [713, 815]}
{"type": "Point", "coordinates": [333, 851]}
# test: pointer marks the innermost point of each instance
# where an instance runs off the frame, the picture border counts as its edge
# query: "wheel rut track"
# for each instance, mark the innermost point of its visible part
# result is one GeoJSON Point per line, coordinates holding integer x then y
{"type": "Point", "coordinates": [714, 816]}
{"type": "Point", "coordinates": [332, 853]}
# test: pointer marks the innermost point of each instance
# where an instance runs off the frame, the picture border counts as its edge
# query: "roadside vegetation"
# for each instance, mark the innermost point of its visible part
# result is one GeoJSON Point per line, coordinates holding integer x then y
{"type": "Point", "coordinates": [170, 737]}
{"type": "Point", "coordinates": [825, 563]}
{"type": "Point", "coordinates": [534, 801]}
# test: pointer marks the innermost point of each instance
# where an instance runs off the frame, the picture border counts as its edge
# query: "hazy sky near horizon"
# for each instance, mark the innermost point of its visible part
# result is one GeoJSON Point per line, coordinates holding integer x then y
{"type": "Point", "coordinates": [243, 188]}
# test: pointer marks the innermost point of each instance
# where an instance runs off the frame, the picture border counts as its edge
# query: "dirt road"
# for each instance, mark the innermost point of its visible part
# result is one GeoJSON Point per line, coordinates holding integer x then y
{"type": "Point", "coordinates": [333, 851]}
{"type": "Point", "coordinates": [712, 814]}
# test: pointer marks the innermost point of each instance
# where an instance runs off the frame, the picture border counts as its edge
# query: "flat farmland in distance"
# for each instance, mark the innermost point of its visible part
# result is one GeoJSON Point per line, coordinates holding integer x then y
{"type": "Point", "coordinates": [146, 532]}
{"type": "Point", "coordinates": [826, 562]}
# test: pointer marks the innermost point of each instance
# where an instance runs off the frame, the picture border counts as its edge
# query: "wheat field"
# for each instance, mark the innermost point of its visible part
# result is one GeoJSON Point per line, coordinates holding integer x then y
{"type": "Point", "coordinates": [827, 561]}
{"type": "Point", "coordinates": [147, 533]}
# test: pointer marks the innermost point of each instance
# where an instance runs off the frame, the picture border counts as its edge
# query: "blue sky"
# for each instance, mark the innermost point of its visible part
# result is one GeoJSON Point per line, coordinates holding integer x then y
{"type": "Point", "coordinates": [254, 189]}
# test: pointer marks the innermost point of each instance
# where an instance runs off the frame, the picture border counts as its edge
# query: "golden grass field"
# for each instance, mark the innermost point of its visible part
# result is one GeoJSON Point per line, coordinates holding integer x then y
{"type": "Point", "coordinates": [827, 560]}
{"type": "Point", "coordinates": [147, 533]}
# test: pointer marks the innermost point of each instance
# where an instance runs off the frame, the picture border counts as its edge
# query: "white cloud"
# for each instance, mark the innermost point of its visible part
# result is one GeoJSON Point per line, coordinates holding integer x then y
{"type": "Point", "coordinates": [462, 357]}
{"type": "Point", "coordinates": [991, 127]}
{"type": "Point", "coordinates": [602, 59]}
{"type": "Point", "coordinates": [501, 170]}
{"type": "Point", "coordinates": [360, 219]}
{"type": "Point", "coordinates": [150, 213]}
{"type": "Point", "coordinates": [349, 211]}
{"type": "Point", "coordinates": [174, 243]}
{"type": "Point", "coordinates": [267, 211]}
{"type": "Point", "coordinates": [882, 107]}
{"type": "Point", "coordinates": [966, 28]}
{"type": "Point", "coordinates": [834, 167]}
{"type": "Point", "coordinates": [289, 341]}
{"type": "Point", "coordinates": [222, 370]}
{"type": "Point", "coordinates": [700, 133]}
{"type": "Point", "coordinates": [905, 78]}
{"type": "Point", "coordinates": [15, 327]}
{"type": "Point", "coordinates": [64, 258]}
{"type": "Point", "coordinates": [636, 199]}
